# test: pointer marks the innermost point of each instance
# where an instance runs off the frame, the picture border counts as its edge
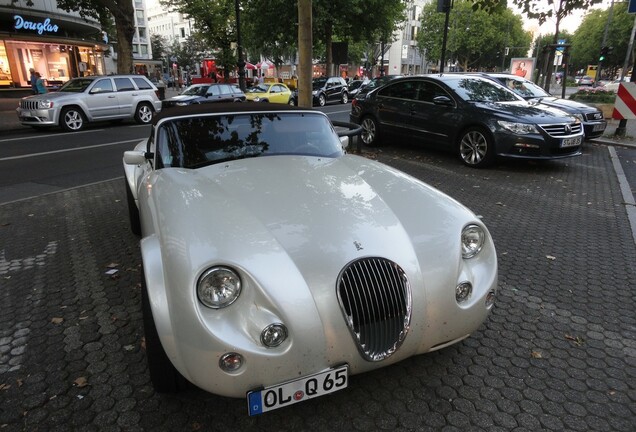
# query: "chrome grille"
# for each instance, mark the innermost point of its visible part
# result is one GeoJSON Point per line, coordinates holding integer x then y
{"type": "Point", "coordinates": [375, 298]}
{"type": "Point", "coordinates": [563, 129]}
{"type": "Point", "coordinates": [29, 104]}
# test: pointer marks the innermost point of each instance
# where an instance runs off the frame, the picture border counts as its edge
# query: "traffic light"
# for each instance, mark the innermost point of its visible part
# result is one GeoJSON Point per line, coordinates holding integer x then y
{"type": "Point", "coordinates": [604, 52]}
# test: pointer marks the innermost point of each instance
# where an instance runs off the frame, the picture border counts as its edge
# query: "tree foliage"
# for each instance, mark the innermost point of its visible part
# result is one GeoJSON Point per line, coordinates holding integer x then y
{"type": "Point", "coordinates": [122, 12]}
{"type": "Point", "coordinates": [476, 38]}
{"type": "Point", "coordinates": [588, 38]}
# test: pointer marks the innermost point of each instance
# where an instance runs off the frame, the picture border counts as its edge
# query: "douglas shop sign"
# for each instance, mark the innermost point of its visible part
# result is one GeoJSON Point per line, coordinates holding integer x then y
{"type": "Point", "coordinates": [41, 27]}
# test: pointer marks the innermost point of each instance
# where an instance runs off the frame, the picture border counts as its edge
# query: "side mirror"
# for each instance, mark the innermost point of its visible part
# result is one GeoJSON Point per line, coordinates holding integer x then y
{"type": "Point", "coordinates": [344, 141]}
{"type": "Point", "coordinates": [134, 157]}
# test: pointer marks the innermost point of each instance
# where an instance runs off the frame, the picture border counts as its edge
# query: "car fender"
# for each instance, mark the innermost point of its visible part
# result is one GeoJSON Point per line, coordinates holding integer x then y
{"type": "Point", "coordinates": [157, 296]}
{"type": "Point", "coordinates": [133, 173]}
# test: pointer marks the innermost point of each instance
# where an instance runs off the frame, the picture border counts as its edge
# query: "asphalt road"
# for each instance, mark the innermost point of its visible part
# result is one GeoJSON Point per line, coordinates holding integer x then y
{"type": "Point", "coordinates": [557, 354]}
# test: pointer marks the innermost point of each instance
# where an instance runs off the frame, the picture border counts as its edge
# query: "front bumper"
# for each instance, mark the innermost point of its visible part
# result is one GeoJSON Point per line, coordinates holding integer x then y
{"type": "Point", "coordinates": [594, 129]}
{"type": "Point", "coordinates": [538, 146]}
{"type": "Point", "coordinates": [37, 117]}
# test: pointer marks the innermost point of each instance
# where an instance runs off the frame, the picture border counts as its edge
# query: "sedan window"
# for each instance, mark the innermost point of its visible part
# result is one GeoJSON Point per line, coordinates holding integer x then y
{"type": "Point", "coordinates": [194, 142]}
{"type": "Point", "coordinates": [477, 90]}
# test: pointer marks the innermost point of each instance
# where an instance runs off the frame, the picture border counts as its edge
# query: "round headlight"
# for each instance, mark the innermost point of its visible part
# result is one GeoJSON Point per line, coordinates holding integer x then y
{"type": "Point", "coordinates": [218, 287]}
{"type": "Point", "coordinates": [473, 237]}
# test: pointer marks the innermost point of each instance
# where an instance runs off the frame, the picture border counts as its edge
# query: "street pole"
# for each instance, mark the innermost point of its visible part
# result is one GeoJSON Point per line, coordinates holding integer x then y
{"type": "Point", "coordinates": [448, 5]}
{"type": "Point", "coordinates": [622, 124]}
{"type": "Point", "coordinates": [239, 47]}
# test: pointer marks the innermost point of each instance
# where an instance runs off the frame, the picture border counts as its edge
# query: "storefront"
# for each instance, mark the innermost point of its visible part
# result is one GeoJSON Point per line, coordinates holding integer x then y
{"type": "Point", "coordinates": [57, 46]}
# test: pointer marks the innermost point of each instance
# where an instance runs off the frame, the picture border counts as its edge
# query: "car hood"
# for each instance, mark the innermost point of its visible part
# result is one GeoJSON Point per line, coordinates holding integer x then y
{"type": "Point", "coordinates": [57, 95]}
{"type": "Point", "coordinates": [566, 105]}
{"type": "Point", "coordinates": [523, 111]}
{"type": "Point", "coordinates": [304, 218]}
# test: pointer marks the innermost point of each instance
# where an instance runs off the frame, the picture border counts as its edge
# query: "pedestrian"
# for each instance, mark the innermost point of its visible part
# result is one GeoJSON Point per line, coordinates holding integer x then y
{"type": "Point", "coordinates": [39, 84]}
{"type": "Point", "coordinates": [261, 78]}
{"type": "Point", "coordinates": [33, 80]}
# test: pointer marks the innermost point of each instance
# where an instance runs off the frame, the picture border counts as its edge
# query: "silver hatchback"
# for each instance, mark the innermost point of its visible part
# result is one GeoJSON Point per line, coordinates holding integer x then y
{"type": "Point", "coordinates": [92, 98]}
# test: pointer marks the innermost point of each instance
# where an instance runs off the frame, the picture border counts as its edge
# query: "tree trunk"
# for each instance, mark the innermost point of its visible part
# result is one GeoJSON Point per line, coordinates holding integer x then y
{"type": "Point", "coordinates": [125, 26]}
{"type": "Point", "coordinates": [304, 53]}
{"type": "Point", "coordinates": [328, 43]}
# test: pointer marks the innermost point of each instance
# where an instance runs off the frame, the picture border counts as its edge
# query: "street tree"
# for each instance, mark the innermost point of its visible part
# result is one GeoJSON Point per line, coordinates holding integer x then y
{"type": "Point", "coordinates": [590, 37]}
{"type": "Point", "coordinates": [215, 21]}
{"type": "Point", "coordinates": [477, 39]}
{"type": "Point", "coordinates": [159, 45]}
{"type": "Point", "coordinates": [123, 14]}
{"type": "Point", "coordinates": [542, 10]}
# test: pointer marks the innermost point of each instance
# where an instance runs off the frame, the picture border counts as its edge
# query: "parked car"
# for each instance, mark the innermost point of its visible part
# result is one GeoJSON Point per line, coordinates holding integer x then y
{"type": "Point", "coordinates": [93, 98]}
{"type": "Point", "coordinates": [376, 82]}
{"type": "Point", "coordinates": [269, 92]}
{"type": "Point", "coordinates": [472, 116]}
{"type": "Point", "coordinates": [586, 81]}
{"type": "Point", "coordinates": [329, 89]}
{"type": "Point", "coordinates": [281, 286]}
{"type": "Point", "coordinates": [206, 93]}
{"type": "Point", "coordinates": [355, 86]}
{"type": "Point", "coordinates": [592, 118]}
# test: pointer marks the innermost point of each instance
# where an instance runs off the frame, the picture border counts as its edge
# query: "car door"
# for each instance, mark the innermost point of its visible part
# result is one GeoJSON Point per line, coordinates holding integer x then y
{"type": "Point", "coordinates": [278, 94]}
{"type": "Point", "coordinates": [435, 117]}
{"type": "Point", "coordinates": [334, 89]}
{"type": "Point", "coordinates": [126, 94]}
{"type": "Point", "coordinates": [102, 99]}
{"type": "Point", "coordinates": [396, 104]}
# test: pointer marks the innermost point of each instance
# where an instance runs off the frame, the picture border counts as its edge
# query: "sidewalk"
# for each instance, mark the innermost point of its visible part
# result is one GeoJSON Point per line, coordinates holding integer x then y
{"type": "Point", "coordinates": [9, 123]}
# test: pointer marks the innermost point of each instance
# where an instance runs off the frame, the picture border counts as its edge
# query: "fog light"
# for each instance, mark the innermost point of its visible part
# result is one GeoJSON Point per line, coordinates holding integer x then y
{"type": "Point", "coordinates": [231, 362]}
{"type": "Point", "coordinates": [525, 145]}
{"type": "Point", "coordinates": [490, 299]}
{"type": "Point", "coordinates": [273, 335]}
{"type": "Point", "coordinates": [463, 291]}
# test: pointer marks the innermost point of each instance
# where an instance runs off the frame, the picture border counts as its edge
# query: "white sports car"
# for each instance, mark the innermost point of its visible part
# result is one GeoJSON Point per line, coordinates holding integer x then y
{"type": "Point", "coordinates": [276, 265]}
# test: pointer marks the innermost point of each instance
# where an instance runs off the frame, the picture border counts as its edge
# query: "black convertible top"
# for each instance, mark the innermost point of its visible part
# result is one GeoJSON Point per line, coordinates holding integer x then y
{"type": "Point", "coordinates": [220, 108]}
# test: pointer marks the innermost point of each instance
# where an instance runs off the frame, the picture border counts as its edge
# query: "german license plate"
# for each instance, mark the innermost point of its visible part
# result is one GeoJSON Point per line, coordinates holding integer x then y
{"type": "Point", "coordinates": [598, 127]}
{"type": "Point", "coordinates": [291, 392]}
{"type": "Point", "coordinates": [571, 142]}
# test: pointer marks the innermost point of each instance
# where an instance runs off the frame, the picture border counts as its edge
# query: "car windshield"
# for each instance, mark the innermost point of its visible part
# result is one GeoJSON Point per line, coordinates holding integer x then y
{"type": "Point", "coordinates": [480, 90]}
{"type": "Point", "coordinates": [193, 142]}
{"type": "Point", "coordinates": [526, 89]}
{"type": "Point", "coordinates": [76, 85]}
{"type": "Point", "coordinates": [261, 88]}
{"type": "Point", "coordinates": [196, 90]}
{"type": "Point", "coordinates": [318, 83]}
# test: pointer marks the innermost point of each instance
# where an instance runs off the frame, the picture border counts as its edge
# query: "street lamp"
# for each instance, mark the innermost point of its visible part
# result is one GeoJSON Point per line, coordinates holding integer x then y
{"type": "Point", "coordinates": [239, 47]}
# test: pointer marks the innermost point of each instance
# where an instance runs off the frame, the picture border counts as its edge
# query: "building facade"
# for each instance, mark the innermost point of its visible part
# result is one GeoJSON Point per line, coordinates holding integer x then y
{"type": "Point", "coordinates": [404, 57]}
{"type": "Point", "coordinates": [59, 45]}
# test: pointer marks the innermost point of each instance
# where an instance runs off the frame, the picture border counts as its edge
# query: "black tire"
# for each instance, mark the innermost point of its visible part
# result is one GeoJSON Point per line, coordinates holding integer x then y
{"type": "Point", "coordinates": [291, 101]}
{"type": "Point", "coordinates": [143, 113]}
{"type": "Point", "coordinates": [345, 98]}
{"type": "Point", "coordinates": [163, 375]}
{"type": "Point", "coordinates": [370, 134]}
{"type": "Point", "coordinates": [133, 211]}
{"type": "Point", "coordinates": [72, 119]}
{"type": "Point", "coordinates": [322, 100]}
{"type": "Point", "coordinates": [476, 148]}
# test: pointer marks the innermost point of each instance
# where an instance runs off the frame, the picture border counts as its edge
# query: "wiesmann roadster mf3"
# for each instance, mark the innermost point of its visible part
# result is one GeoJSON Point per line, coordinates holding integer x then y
{"type": "Point", "coordinates": [275, 265]}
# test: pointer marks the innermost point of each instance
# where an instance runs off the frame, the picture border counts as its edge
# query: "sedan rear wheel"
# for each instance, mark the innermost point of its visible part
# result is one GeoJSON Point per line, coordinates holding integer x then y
{"type": "Point", "coordinates": [476, 148]}
{"type": "Point", "coordinates": [143, 114]}
{"type": "Point", "coordinates": [292, 102]}
{"type": "Point", "coordinates": [72, 119]}
{"type": "Point", "coordinates": [370, 131]}
{"type": "Point", "coordinates": [345, 98]}
{"type": "Point", "coordinates": [163, 375]}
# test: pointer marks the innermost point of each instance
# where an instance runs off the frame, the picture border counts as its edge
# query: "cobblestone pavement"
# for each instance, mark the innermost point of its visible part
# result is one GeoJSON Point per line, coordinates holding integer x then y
{"type": "Point", "coordinates": [557, 354]}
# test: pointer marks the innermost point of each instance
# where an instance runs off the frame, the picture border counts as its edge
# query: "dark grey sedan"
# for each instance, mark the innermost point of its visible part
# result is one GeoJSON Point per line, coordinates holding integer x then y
{"type": "Point", "coordinates": [472, 116]}
{"type": "Point", "coordinates": [206, 93]}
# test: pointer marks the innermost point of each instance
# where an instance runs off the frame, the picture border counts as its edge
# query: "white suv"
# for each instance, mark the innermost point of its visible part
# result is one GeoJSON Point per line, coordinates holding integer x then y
{"type": "Point", "coordinates": [92, 98]}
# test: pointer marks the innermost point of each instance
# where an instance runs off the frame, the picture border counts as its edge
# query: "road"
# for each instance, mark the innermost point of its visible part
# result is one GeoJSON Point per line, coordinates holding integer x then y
{"type": "Point", "coordinates": [557, 354]}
